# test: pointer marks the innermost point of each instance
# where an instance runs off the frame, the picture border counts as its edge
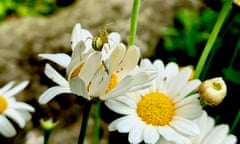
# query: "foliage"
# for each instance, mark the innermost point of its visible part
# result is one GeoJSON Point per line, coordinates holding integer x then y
{"type": "Point", "coordinates": [26, 7]}
{"type": "Point", "coordinates": [191, 29]}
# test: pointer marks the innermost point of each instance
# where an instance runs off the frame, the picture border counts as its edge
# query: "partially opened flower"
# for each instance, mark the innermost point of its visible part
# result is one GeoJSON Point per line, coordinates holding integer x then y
{"type": "Point", "coordinates": [212, 134]}
{"type": "Point", "coordinates": [103, 74]}
{"type": "Point", "coordinates": [163, 111]}
{"type": "Point", "coordinates": [83, 64]}
{"type": "Point", "coordinates": [19, 112]}
{"type": "Point", "coordinates": [117, 75]}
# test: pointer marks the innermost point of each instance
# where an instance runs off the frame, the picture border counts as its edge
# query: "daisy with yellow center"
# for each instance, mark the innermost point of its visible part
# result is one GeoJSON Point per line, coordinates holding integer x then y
{"type": "Point", "coordinates": [96, 74]}
{"type": "Point", "coordinates": [109, 76]}
{"type": "Point", "coordinates": [163, 111]}
{"type": "Point", "coordinates": [19, 112]}
{"type": "Point", "coordinates": [117, 75]}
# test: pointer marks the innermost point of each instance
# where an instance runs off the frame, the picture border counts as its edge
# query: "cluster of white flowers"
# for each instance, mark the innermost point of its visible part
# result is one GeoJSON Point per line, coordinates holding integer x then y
{"type": "Point", "coordinates": [160, 103]}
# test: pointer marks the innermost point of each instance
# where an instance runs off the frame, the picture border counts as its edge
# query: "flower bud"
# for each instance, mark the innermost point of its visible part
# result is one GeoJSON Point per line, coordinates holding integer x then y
{"type": "Point", "coordinates": [213, 91]}
{"type": "Point", "coordinates": [48, 124]}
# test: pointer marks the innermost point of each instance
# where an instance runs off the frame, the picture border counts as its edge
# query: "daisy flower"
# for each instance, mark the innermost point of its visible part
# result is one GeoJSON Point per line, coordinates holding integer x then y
{"type": "Point", "coordinates": [165, 110]}
{"type": "Point", "coordinates": [19, 112]}
{"type": "Point", "coordinates": [210, 134]}
{"type": "Point", "coordinates": [83, 63]}
{"type": "Point", "coordinates": [102, 74]}
{"type": "Point", "coordinates": [117, 75]}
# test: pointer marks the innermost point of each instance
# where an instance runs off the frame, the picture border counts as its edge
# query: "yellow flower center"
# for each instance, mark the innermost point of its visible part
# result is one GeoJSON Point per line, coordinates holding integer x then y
{"type": "Point", "coordinates": [76, 71]}
{"type": "Point", "coordinates": [156, 109]}
{"type": "Point", "coordinates": [3, 104]}
{"type": "Point", "coordinates": [113, 82]}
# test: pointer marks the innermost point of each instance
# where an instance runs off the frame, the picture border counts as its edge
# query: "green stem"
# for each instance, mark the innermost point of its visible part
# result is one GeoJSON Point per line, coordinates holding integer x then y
{"type": "Point", "coordinates": [134, 19]}
{"type": "Point", "coordinates": [235, 123]}
{"type": "Point", "coordinates": [46, 136]}
{"type": "Point", "coordinates": [86, 115]}
{"type": "Point", "coordinates": [223, 14]}
{"type": "Point", "coordinates": [97, 123]}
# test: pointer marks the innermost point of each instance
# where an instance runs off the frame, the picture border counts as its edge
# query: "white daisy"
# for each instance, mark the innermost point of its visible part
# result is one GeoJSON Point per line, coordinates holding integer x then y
{"type": "Point", "coordinates": [117, 75]}
{"type": "Point", "coordinates": [93, 73]}
{"type": "Point", "coordinates": [163, 111]}
{"type": "Point", "coordinates": [83, 64]}
{"type": "Point", "coordinates": [210, 134]}
{"type": "Point", "coordinates": [10, 108]}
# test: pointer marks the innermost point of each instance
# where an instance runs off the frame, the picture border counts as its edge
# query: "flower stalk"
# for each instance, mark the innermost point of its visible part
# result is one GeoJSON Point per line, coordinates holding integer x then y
{"type": "Point", "coordinates": [134, 20]}
{"type": "Point", "coordinates": [235, 122]}
{"type": "Point", "coordinates": [97, 123]}
{"type": "Point", "coordinates": [86, 115]}
{"type": "Point", "coordinates": [217, 27]}
{"type": "Point", "coordinates": [47, 126]}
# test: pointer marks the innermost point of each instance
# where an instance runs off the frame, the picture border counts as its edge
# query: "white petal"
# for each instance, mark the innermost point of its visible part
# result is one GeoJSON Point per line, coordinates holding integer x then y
{"type": "Point", "coordinates": [60, 58]}
{"type": "Point", "coordinates": [126, 124]}
{"type": "Point", "coordinates": [16, 89]}
{"type": "Point", "coordinates": [191, 86]}
{"type": "Point", "coordinates": [171, 70]}
{"type": "Point", "coordinates": [6, 128]}
{"type": "Point", "coordinates": [205, 124]}
{"type": "Point", "coordinates": [113, 125]}
{"type": "Point", "coordinates": [55, 76]}
{"type": "Point", "coordinates": [150, 134]}
{"type": "Point", "coordinates": [6, 87]}
{"type": "Point", "coordinates": [190, 111]}
{"type": "Point", "coordinates": [50, 93]}
{"type": "Point", "coordinates": [22, 106]}
{"type": "Point", "coordinates": [187, 100]}
{"type": "Point", "coordinates": [114, 39]}
{"type": "Point", "coordinates": [130, 61]}
{"type": "Point", "coordinates": [120, 89]}
{"type": "Point", "coordinates": [231, 139]}
{"type": "Point", "coordinates": [136, 133]}
{"type": "Point", "coordinates": [159, 80]}
{"type": "Point", "coordinates": [217, 134]}
{"type": "Point", "coordinates": [79, 34]}
{"type": "Point", "coordinates": [26, 115]}
{"type": "Point", "coordinates": [100, 81]}
{"type": "Point", "coordinates": [145, 62]}
{"type": "Point", "coordinates": [76, 35]}
{"type": "Point", "coordinates": [171, 135]}
{"type": "Point", "coordinates": [179, 82]}
{"type": "Point", "coordinates": [90, 67]}
{"type": "Point", "coordinates": [119, 107]}
{"type": "Point", "coordinates": [141, 81]}
{"type": "Point", "coordinates": [184, 126]}
{"type": "Point", "coordinates": [73, 66]}
{"type": "Point", "coordinates": [15, 116]}
{"type": "Point", "coordinates": [117, 56]}
{"type": "Point", "coordinates": [78, 87]}
{"type": "Point", "coordinates": [127, 100]}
